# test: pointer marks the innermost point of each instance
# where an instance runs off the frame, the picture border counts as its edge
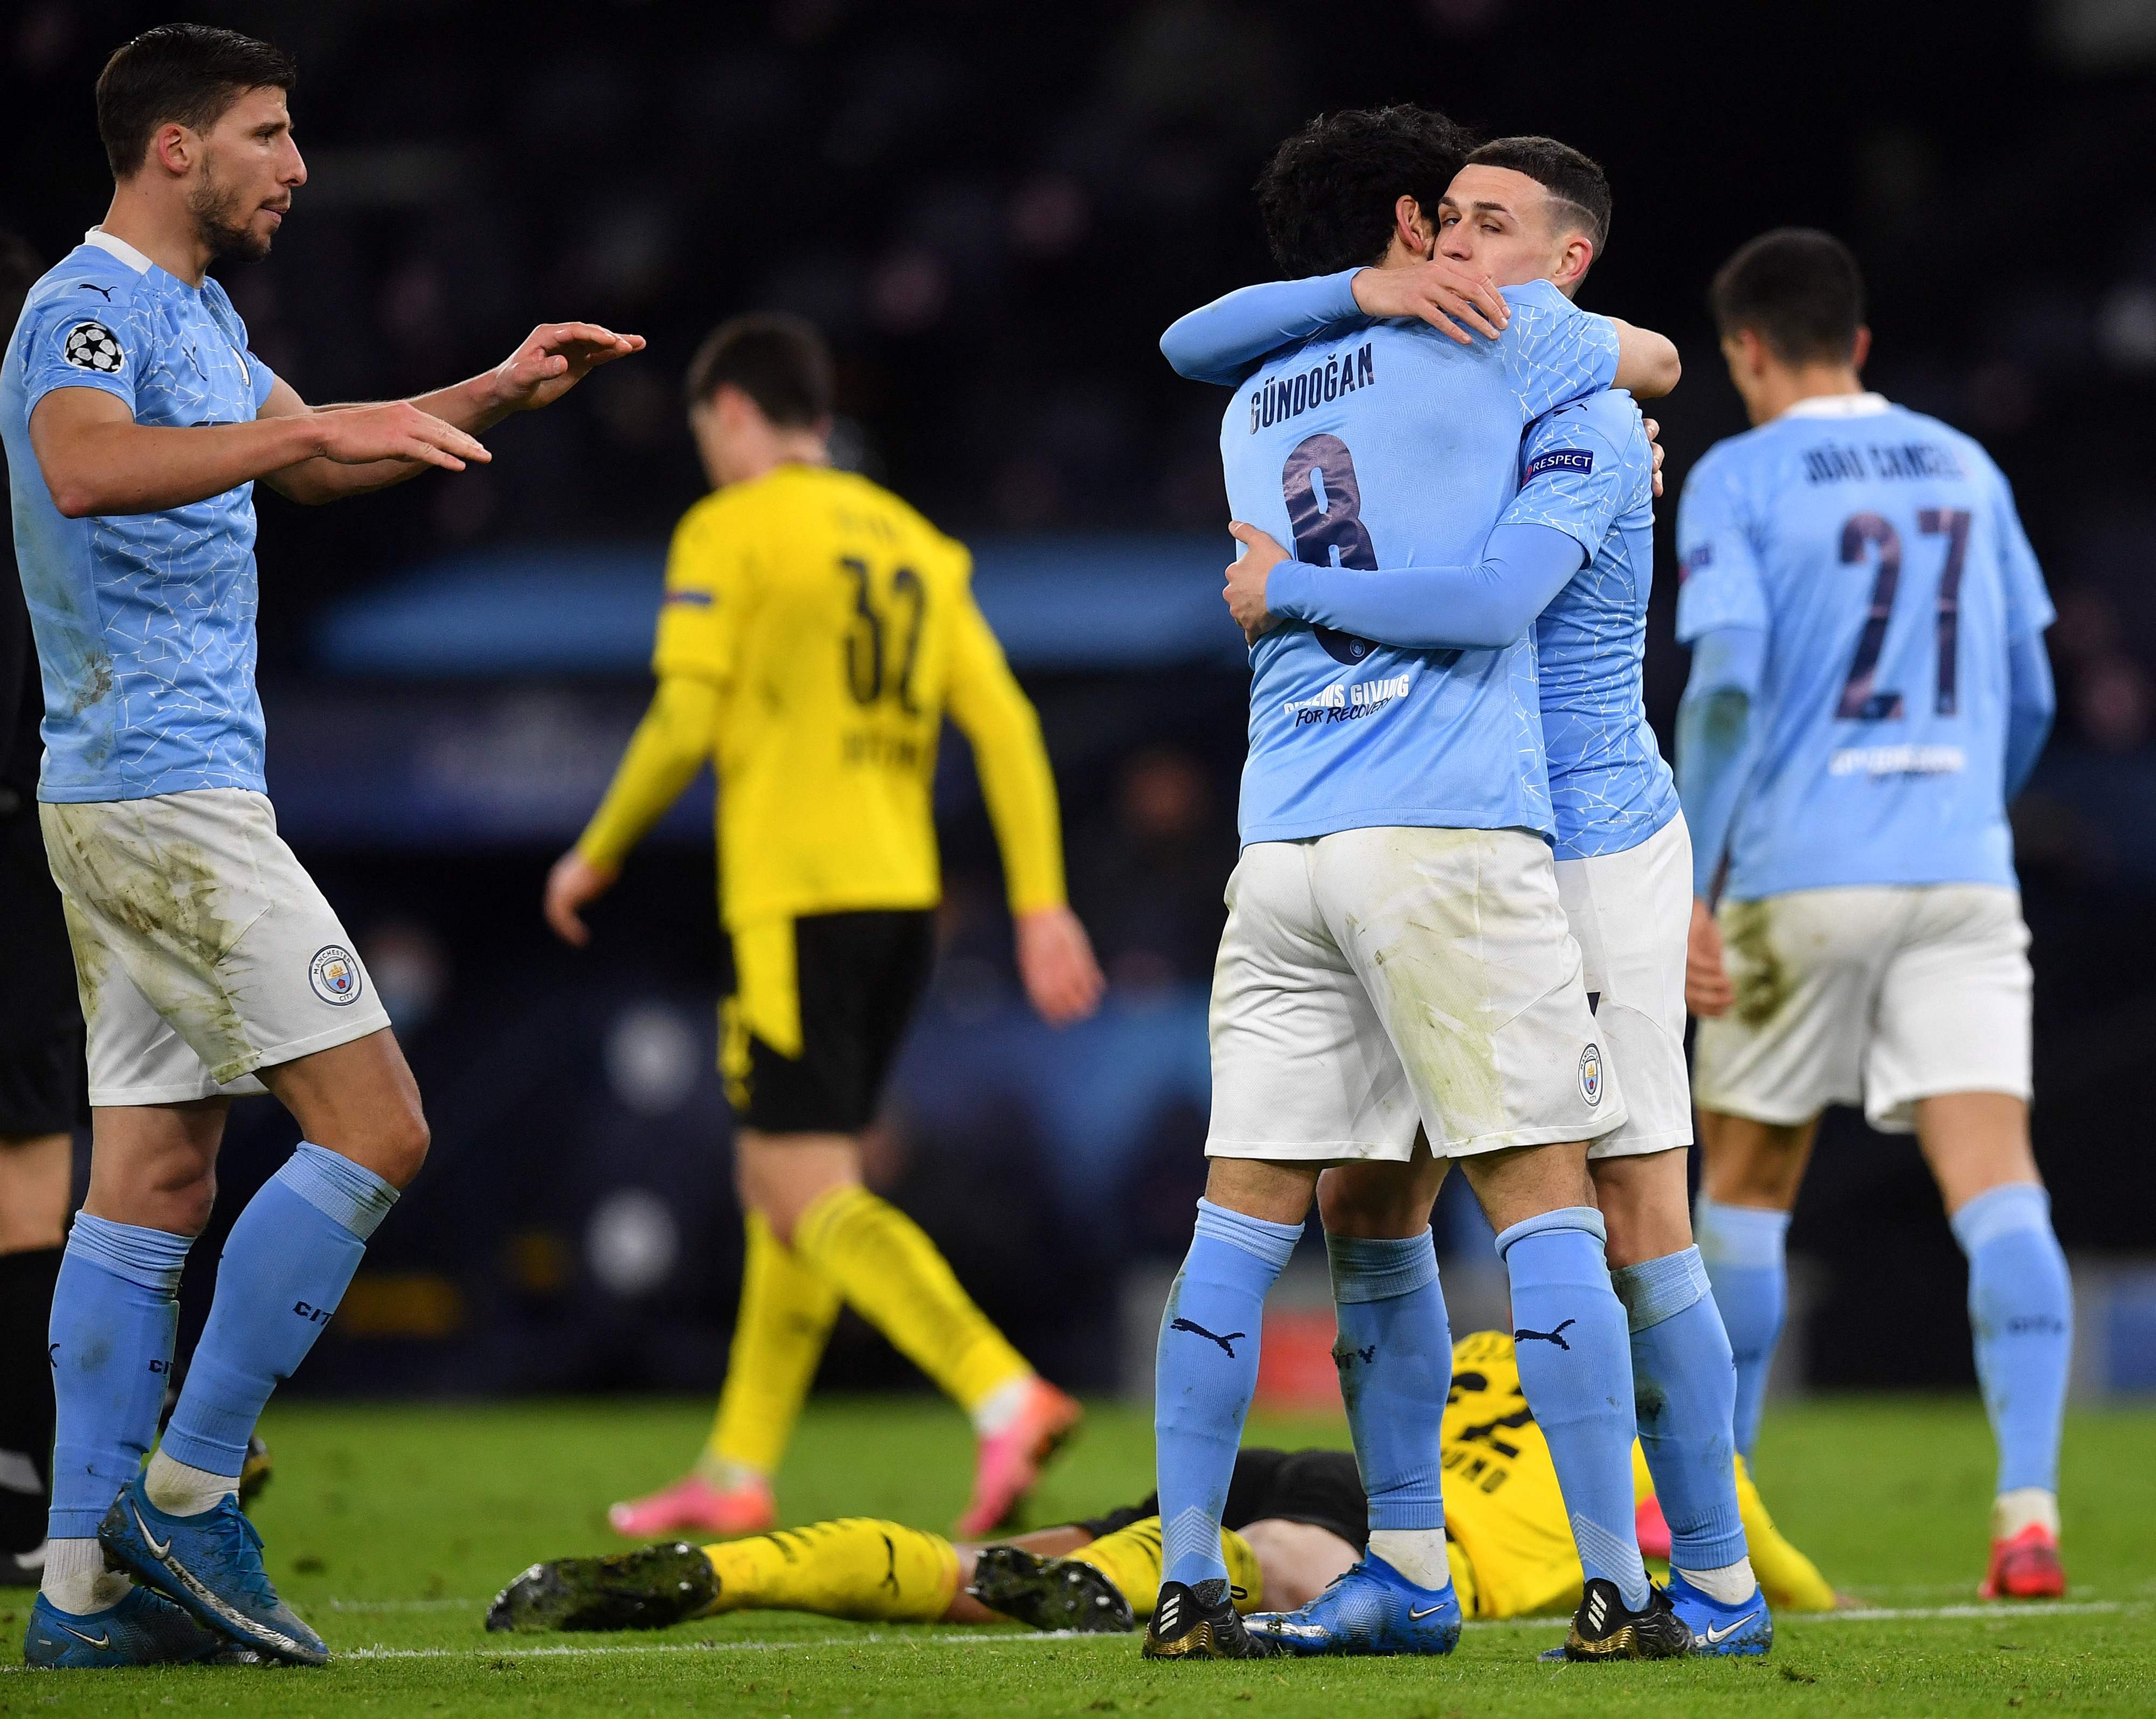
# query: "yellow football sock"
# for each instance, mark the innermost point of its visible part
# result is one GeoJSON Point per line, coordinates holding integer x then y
{"type": "Point", "coordinates": [786, 1309]}
{"type": "Point", "coordinates": [893, 1277]}
{"type": "Point", "coordinates": [854, 1568]}
{"type": "Point", "coordinates": [1791, 1582]}
{"type": "Point", "coordinates": [1129, 1557]}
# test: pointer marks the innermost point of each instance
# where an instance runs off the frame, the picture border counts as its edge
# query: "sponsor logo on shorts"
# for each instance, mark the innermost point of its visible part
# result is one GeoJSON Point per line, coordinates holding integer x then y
{"type": "Point", "coordinates": [1590, 1073]}
{"type": "Point", "coordinates": [334, 975]}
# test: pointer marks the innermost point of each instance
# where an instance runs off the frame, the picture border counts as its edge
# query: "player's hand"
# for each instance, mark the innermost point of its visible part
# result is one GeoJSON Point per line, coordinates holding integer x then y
{"type": "Point", "coordinates": [1708, 990]}
{"type": "Point", "coordinates": [553, 359]}
{"type": "Point", "coordinates": [1245, 594]}
{"type": "Point", "coordinates": [1655, 441]}
{"type": "Point", "coordinates": [1436, 292]}
{"type": "Point", "coordinates": [359, 435]}
{"type": "Point", "coordinates": [1056, 961]}
{"type": "Point", "coordinates": [572, 886]}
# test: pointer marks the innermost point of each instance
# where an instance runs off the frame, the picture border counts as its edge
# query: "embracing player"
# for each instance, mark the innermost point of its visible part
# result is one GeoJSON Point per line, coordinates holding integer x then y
{"type": "Point", "coordinates": [136, 424]}
{"type": "Point", "coordinates": [1572, 558]}
{"type": "Point", "coordinates": [1869, 689]}
{"type": "Point", "coordinates": [1397, 959]}
{"type": "Point", "coordinates": [814, 633]}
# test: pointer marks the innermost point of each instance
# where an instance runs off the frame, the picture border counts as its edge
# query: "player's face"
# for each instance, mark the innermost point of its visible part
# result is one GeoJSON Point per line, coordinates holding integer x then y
{"type": "Point", "coordinates": [1497, 220]}
{"type": "Point", "coordinates": [250, 167]}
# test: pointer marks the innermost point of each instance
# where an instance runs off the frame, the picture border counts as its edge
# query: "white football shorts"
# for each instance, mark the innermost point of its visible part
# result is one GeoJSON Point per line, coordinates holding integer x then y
{"type": "Point", "coordinates": [1374, 981]}
{"type": "Point", "coordinates": [1631, 913]}
{"type": "Point", "coordinates": [202, 950]}
{"type": "Point", "coordinates": [1873, 995]}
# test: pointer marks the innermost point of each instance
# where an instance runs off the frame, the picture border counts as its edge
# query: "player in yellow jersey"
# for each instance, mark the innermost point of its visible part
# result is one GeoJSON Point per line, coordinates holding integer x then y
{"type": "Point", "coordinates": [814, 633]}
{"type": "Point", "coordinates": [1293, 1519]}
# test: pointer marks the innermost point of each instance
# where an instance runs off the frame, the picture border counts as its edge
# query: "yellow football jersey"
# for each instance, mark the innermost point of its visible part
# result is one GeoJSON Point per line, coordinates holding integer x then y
{"type": "Point", "coordinates": [841, 628]}
{"type": "Point", "coordinates": [1503, 1509]}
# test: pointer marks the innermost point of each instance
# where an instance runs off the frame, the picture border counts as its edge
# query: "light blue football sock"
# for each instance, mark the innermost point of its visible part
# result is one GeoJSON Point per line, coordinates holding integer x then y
{"type": "Point", "coordinates": [1206, 1368]}
{"type": "Point", "coordinates": [115, 1307]}
{"type": "Point", "coordinates": [1742, 1248]}
{"type": "Point", "coordinates": [2021, 1308]}
{"type": "Point", "coordinates": [1685, 1389]}
{"type": "Point", "coordinates": [1575, 1362]}
{"type": "Point", "coordinates": [285, 1268]}
{"type": "Point", "coordinates": [1394, 1357]}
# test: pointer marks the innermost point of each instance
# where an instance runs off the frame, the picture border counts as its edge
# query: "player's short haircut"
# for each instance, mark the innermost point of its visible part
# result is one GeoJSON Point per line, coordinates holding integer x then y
{"type": "Point", "coordinates": [1798, 290]}
{"type": "Point", "coordinates": [1327, 194]}
{"type": "Point", "coordinates": [779, 362]}
{"type": "Point", "coordinates": [1578, 188]}
{"type": "Point", "coordinates": [186, 74]}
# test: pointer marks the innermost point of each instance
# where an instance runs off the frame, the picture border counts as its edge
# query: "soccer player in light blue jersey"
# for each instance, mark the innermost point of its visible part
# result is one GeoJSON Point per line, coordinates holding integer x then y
{"type": "Point", "coordinates": [1397, 986]}
{"type": "Point", "coordinates": [136, 424]}
{"type": "Point", "coordinates": [1869, 689]}
{"type": "Point", "coordinates": [1572, 556]}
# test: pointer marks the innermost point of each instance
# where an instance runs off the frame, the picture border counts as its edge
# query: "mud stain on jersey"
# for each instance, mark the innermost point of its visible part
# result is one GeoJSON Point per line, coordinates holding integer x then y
{"type": "Point", "coordinates": [1762, 978]}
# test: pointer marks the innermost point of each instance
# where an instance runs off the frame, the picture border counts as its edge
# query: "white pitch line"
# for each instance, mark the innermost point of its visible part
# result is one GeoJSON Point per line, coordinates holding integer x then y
{"type": "Point", "coordinates": [972, 1638]}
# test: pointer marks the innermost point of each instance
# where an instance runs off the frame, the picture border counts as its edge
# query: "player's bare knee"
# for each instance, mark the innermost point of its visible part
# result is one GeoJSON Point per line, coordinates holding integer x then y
{"type": "Point", "coordinates": [398, 1148]}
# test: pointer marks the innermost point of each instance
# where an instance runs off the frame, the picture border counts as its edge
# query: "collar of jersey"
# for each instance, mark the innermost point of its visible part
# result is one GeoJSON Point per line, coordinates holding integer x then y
{"type": "Point", "coordinates": [119, 248]}
{"type": "Point", "coordinates": [1839, 406]}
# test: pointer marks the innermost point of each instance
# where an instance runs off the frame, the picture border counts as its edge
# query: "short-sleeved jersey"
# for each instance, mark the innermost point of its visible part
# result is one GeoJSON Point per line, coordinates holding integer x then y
{"type": "Point", "coordinates": [1390, 445]}
{"type": "Point", "coordinates": [1587, 470]}
{"type": "Point", "coordinates": [1880, 551]}
{"type": "Point", "coordinates": [144, 622]}
{"type": "Point", "coordinates": [841, 627]}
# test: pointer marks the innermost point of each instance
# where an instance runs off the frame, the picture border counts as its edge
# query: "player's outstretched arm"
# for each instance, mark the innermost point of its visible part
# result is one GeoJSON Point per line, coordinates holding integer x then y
{"type": "Point", "coordinates": [1647, 363]}
{"type": "Point", "coordinates": [96, 460]}
{"type": "Point", "coordinates": [552, 360]}
{"type": "Point", "coordinates": [1219, 342]}
{"type": "Point", "coordinates": [668, 749]}
{"type": "Point", "coordinates": [1055, 962]}
{"type": "Point", "coordinates": [1484, 606]}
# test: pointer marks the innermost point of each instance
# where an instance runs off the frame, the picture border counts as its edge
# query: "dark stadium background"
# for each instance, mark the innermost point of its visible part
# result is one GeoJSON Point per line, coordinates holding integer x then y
{"type": "Point", "coordinates": [993, 211]}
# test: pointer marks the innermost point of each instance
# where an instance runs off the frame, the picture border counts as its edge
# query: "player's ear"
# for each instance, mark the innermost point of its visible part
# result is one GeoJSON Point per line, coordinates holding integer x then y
{"type": "Point", "coordinates": [1412, 229]}
{"type": "Point", "coordinates": [1862, 350]}
{"type": "Point", "coordinates": [172, 147]}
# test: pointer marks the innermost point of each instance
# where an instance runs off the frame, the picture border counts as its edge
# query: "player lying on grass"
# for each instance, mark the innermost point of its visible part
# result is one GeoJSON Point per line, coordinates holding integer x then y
{"type": "Point", "coordinates": [1295, 1520]}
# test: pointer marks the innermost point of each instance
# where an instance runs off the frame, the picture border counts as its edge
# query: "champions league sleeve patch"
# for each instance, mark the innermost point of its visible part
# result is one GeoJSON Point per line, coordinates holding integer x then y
{"type": "Point", "coordinates": [1578, 459]}
{"type": "Point", "coordinates": [91, 346]}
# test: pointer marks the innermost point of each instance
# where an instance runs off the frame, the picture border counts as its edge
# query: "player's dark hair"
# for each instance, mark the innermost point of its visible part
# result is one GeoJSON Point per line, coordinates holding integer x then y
{"type": "Point", "coordinates": [186, 74]}
{"type": "Point", "coordinates": [779, 362]}
{"type": "Point", "coordinates": [1798, 290]}
{"type": "Point", "coordinates": [1327, 194]}
{"type": "Point", "coordinates": [1577, 186]}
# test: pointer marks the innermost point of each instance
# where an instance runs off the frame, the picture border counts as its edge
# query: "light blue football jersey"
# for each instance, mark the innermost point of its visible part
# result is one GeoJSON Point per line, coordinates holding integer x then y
{"type": "Point", "coordinates": [1880, 551]}
{"type": "Point", "coordinates": [1587, 470]}
{"type": "Point", "coordinates": [1390, 445]}
{"type": "Point", "coordinates": [145, 622]}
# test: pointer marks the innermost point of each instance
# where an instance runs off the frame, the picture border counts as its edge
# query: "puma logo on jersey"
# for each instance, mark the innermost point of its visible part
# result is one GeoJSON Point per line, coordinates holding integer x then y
{"type": "Point", "coordinates": [1227, 1343]}
{"type": "Point", "coordinates": [1555, 1336]}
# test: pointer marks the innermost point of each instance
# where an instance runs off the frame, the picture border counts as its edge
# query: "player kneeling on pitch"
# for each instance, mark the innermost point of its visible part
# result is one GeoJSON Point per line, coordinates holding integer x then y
{"type": "Point", "coordinates": [1294, 1522]}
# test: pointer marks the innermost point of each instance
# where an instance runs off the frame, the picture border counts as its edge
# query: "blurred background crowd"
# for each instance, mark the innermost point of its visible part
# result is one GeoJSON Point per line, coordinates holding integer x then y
{"type": "Point", "coordinates": [993, 211]}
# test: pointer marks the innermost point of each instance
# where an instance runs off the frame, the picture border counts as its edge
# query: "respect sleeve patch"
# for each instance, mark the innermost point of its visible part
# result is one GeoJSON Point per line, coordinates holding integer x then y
{"type": "Point", "coordinates": [1578, 459]}
{"type": "Point", "coordinates": [91, 346]}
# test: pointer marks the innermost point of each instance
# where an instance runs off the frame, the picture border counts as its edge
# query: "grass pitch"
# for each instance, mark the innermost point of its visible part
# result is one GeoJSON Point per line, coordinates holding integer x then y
{"type": "Point", "coordinates": [390, 1528]}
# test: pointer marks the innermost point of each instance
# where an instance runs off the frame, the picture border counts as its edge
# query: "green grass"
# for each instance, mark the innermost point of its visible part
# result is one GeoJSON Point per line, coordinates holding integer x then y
{"type": "Point", "coordinates": [390, 1527]}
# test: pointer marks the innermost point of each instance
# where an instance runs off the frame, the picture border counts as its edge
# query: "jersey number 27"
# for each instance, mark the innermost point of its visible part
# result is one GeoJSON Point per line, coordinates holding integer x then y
{"type": "Point", "coordinates": [1874, 532]}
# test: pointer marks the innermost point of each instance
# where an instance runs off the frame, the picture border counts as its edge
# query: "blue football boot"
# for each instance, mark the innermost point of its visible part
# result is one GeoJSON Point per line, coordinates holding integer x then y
{"type": "Point", "coordinates": [1725, 1630]}
{"type": "Point", "coordinates": [211, 1564]}
{"type": "Point", "coordinates": [142, 1629]}
{"type": "Point", "coordinates": [1371, 1609]}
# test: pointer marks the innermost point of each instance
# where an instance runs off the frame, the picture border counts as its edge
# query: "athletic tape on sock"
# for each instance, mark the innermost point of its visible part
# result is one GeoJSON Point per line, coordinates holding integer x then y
{"type": "Point", "coordinates": [343, 1191]}
{"type": "Point", "coordinates": [1364, 1269]}
{"type": "Point", "coordinates": [2001, 1211]}
{"type": "Point", "coordinates": [1584, 1218]}
{"type": "Point", "coordinates": [1739, 1236]}
{"type": "Point", "coordinates": [150, 1259]}
{"type": "Point", "coordinates": [1272, 1243]}
{"type": "Point", "coordinates": [1656, 1289]}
